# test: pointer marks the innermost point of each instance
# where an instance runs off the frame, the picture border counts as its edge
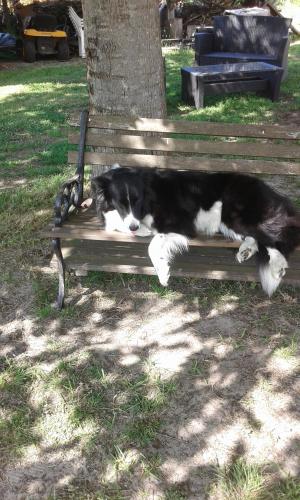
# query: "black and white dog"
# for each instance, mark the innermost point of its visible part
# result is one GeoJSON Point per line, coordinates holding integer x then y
{"type": "Point", "coordinates": [175, 206]}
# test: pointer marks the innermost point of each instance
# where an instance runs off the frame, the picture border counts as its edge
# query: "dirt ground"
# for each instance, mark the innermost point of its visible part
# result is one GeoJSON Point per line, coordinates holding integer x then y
{"type": "Point", "coordinates": [231, 353]}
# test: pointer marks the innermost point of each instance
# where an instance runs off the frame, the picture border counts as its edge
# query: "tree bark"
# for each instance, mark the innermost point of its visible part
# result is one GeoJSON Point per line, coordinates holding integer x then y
{"type": "Point", "coordinates": [5, 10]}
{"type": "Point", "coordinates": [125, 70]}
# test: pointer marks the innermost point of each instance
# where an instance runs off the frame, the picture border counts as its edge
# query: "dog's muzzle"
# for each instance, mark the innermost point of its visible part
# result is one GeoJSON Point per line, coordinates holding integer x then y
{"type": "Point", "coordinates": [133, 227]}
{"type": "Point", "coordinates": [131, 223]}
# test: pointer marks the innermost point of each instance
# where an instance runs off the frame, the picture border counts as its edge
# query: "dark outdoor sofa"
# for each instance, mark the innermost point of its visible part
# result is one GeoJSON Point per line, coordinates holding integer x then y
{"type": "Point", "coordinates": [236, 38]}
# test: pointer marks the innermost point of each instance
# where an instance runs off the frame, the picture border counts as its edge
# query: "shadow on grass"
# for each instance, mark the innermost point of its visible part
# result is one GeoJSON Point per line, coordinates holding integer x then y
{"type": "Point", "coordinates": [130, 392]}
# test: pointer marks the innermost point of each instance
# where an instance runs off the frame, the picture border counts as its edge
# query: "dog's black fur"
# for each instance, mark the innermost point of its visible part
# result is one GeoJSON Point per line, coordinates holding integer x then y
{"type": "Point", "coordinates": [173, 198]}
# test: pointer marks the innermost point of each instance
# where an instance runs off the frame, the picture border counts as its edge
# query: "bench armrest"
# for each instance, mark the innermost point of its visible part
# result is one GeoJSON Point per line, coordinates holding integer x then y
{"type": "Point", "coordinates": [204, 43]}
{"type": "Point", "coordinates": [70, 194]}
{"type": "Point", "coordinates": [67, 199]}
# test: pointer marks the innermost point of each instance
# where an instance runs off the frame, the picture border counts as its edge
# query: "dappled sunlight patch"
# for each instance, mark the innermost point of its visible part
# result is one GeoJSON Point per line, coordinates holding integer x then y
{"type": "Point", "coordinates": [15, 332]}
{"type": "Point", "coordinates": [8, 90]}
{"type": "Point", "coordinates": [221, 310]}
{"type": "Point", "coordinates": [221, 380]}
{"type": "Point", "coordinates": [56, 426]}
{"type": "Point", "coordinates": [175, 471]}
{"type": "Point", "coordinates": [33, 478]}
{"type": "Point", "coordinates": [11, 184]}
{"type": "Point", "coordinates": [278, 427]}
{"type": "Point", "coordinates": [187, 431]}
{"type": "Point", "coordinates": [129, 360]}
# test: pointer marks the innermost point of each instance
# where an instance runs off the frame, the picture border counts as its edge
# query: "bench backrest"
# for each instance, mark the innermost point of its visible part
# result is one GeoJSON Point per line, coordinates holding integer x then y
{"type": "Point", "coordinates": [182, 145]}
{"type": "Point", "coordinates": [251, 34]}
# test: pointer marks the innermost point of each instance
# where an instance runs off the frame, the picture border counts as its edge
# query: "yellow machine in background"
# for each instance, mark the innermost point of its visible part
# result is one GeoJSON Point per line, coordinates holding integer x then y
{"type": "Point", "coordinates": [42, 38]}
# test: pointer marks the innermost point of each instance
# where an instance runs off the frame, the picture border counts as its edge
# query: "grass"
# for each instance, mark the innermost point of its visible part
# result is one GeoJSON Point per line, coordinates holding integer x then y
{"type": "Point", "coordinates": [243, 481]}
{"type": "Point", "coordinates": [77, 401]}
{"type": "Point", "coordinates": [82, 390]}
{"type": "Point", "coordinates": [287, 489]}
{"type": "Point", "coordinates": [240, 481]}
{"type": "Point", "coordinates": [232, 108]}
{"type": "Point", "coordinates": [289, 349]}
{"type": "Point", "coordinates": [36, 105]}
{"type": "Point", "coordinates": [16, 418]}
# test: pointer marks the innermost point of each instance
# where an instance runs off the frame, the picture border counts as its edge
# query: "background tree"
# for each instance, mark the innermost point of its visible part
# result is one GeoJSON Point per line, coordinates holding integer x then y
{"type": "Point", "coordinates": [5, 11]}
{"type": "Point", "coordinates": [125, 68]}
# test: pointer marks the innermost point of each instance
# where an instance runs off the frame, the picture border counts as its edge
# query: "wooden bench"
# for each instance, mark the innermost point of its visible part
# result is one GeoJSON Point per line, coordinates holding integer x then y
{"type": "Point", "coordinates": [78, 242]}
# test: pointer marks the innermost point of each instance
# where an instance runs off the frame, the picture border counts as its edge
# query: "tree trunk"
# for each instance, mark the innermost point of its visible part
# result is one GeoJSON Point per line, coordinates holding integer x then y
{"type": "Point", "coordinates": [125, 69]}
{"type": "Point", "coordinates": [5, 11]}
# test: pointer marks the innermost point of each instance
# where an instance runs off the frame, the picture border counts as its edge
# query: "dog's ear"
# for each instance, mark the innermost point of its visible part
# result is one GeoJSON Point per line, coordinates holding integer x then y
{"type": "Point", "coordinates": [98, 184]}
{"type": "Point", "coordinates": [100, 195]}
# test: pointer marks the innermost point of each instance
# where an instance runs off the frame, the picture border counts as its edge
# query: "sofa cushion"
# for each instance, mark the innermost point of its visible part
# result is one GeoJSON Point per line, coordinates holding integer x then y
{"type": "Point", "coordinates": [252, 34]}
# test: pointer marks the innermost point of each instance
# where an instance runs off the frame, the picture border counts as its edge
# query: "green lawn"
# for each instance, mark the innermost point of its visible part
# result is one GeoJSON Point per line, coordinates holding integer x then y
{"type": "Point", "coordinates": [59, 391]}
{"type": "Point", "coordinates": [236, 108]}
{"type": "Point", "coordinates": [36, 104]}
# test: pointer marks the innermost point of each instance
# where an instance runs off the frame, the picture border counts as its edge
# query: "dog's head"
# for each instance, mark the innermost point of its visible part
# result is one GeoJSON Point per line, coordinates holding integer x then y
{"type": "Point", "coordinates": [121, 189]}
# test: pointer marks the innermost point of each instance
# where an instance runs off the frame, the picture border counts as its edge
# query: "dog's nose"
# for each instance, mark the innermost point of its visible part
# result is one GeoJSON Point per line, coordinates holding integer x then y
{"type": "Point", "coordinates": [133, 226]}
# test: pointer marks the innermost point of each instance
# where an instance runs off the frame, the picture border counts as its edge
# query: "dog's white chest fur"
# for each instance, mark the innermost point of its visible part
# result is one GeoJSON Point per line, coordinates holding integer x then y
{"type": "Point", "coordinates": [208, 221]}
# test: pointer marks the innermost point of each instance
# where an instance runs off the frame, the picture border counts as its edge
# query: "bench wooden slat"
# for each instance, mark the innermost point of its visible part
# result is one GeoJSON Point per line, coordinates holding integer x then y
{"type": "Point", "coordinates": [115, 252]}
{"type": "Point", "coordinates": [186, 268]}
{"type": "Point", "coordinates": [136, 142]}
{"type": "Point", "coordinates": [195, 128]}
{"type": "Point", "coordinates": [84, 233]}
{"type": "Point", "coordinates": [190, 163]}
{"type": "Point", "coordinates": [80, 229]}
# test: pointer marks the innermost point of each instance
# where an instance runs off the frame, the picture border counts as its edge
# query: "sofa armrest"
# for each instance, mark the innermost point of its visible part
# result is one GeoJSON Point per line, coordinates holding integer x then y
{"type": "Point", "coordinates": [204, 43]}
{"type": "Point", "coordinates": [67, 199]}
{"type": "Point", "coordinates": [285, 41]}
{"type": "Point", "coordinates": [284, 56]}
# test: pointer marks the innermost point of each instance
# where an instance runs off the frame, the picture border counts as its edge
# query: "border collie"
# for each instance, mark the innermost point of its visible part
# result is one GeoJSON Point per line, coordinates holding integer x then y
{"type": "Point", "coordinates": [175, 206]}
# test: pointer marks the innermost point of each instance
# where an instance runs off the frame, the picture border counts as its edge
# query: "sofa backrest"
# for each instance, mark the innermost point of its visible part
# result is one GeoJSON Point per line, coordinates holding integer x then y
{"type": "Point", "coordinates": [250, 34]}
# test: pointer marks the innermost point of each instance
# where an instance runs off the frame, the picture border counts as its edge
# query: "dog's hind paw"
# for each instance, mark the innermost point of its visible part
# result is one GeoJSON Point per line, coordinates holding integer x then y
{"type": "Point", "coordinates": [247, 249]}
{"type": "Point", "coordinates": [163, 282]}
{"type": "Point", "coordinates": [278, 269]}
{"type": "Point", "coordinates": [278, 263]}
{"type": "Point", "coordinates": [163, 272]}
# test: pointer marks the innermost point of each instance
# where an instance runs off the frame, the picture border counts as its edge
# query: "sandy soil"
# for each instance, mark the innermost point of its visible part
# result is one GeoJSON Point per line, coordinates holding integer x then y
{"type": "Point", "coordinates": [237, 394]}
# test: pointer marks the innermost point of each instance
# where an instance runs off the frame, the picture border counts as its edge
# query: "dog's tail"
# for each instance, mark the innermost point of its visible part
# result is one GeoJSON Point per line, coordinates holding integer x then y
{"type": "Point", "coordinates": [271, 266]}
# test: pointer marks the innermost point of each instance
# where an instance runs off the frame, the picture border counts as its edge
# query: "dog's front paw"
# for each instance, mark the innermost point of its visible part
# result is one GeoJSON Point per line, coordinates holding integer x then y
{"type": "Point", "coordinates": [247, 249]}
{"type": "Point", "coordinates": [243, 255]}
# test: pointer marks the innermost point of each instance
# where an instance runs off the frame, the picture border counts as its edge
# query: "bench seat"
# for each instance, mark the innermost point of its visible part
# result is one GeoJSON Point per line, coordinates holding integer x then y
{"type": "Point", "coordinates": [80, 244]}
{"type": "Point", "coordinates": [85, 247]}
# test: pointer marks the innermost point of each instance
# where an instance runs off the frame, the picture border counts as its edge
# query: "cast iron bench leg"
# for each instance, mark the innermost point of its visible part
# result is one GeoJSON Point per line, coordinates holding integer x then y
{"type": "Point", "coordinates": [61, 273]}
